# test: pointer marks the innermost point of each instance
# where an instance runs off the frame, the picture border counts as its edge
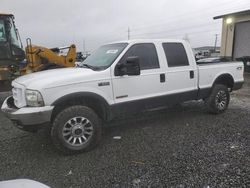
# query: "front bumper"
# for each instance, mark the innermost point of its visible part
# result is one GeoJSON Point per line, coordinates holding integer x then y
{"type": "Point", "coordinates": [27, 118]}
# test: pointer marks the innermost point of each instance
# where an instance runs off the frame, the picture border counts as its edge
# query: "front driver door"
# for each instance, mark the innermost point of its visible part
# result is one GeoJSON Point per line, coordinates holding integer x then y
{"type": "Point", "coordinates": [136, 92]}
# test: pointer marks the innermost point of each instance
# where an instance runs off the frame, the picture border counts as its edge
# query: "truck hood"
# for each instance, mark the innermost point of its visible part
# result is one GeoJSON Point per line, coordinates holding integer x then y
{"type": "Point", "coordinates": [57, 77]}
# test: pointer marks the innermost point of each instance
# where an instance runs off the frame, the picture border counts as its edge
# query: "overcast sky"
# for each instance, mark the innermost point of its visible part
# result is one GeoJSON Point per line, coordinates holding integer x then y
{"type": "Point", "coordinates": [54, 23]}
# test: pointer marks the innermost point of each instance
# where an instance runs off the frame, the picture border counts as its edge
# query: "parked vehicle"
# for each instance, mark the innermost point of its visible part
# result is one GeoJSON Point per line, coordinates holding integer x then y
{"type": "Point", "coordinates": [246, 61]}
{"type": "Point", "coordinates": [22, 183]}
{"type": "Point", "coordinates": [118, 78]}
{"type": "Point", "coordinates": [16, 61]}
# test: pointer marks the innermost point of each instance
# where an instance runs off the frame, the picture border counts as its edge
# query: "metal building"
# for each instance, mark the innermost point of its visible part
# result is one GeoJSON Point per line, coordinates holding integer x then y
{"type": "Point", "coordinates": [235, 41]}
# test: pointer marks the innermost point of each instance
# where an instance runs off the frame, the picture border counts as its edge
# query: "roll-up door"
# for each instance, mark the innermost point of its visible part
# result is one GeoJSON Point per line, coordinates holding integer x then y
{"type": "Point", "coordinates": [242, 39]}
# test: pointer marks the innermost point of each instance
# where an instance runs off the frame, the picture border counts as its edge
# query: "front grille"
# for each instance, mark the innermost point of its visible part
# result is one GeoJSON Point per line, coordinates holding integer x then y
{"type": "Point", "coordinates": [10, 103]}
{"type": "Point", "coordinates": [17, 96]}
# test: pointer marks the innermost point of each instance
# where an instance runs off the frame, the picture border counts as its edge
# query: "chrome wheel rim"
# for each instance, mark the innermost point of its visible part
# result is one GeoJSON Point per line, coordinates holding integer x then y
{"type": "Point", "coordinates": [77, 131]}
{"type": "Point", "coordinates": [221, 100]}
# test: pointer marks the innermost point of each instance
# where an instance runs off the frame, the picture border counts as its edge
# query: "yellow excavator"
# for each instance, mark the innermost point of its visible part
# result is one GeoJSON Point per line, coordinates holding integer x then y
{"type": "Point", "coordinates": [15, 61]}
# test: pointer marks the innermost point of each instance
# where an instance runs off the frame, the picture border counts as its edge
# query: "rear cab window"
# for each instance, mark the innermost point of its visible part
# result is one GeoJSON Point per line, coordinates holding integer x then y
{"type": "Point", "coordinates": [176, 54]}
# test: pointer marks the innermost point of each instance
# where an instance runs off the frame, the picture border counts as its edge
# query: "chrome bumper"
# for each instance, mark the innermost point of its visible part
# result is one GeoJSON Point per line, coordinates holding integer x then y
{"type": "Point", "coordinates": [26, 116]}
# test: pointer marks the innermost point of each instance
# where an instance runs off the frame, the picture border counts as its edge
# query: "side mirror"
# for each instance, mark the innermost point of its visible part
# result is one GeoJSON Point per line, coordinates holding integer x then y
{"type": "Point", "coordinates": [130, 68]}
{"type": "Point", "coordinates": [133, 66]}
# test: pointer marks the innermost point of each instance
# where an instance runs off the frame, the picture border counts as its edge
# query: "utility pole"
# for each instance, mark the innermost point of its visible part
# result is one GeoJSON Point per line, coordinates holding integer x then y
{"type": "Point", "coordinates": [128, 33]}
{"type": "Point", "coordinates": [215, 43]}
{"type": "Point", "coordinates": [83, 45]}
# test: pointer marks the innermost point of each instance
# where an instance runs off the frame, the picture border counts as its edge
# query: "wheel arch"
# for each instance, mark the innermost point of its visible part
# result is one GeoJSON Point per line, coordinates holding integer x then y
{"type": "Point", "coordinates": [225, 79]}
{"type": "Point", "coordinates": [89, 99]}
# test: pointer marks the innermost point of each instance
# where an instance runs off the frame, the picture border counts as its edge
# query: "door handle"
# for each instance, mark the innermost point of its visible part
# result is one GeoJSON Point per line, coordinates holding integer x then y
{"type": "Point", "coordinates": [191, 74]}
{"type": "Point", "coordinates": [162, 78]}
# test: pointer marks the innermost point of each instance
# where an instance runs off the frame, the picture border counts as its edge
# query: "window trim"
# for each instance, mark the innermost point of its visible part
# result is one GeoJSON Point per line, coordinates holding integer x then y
{"type": "Point", "coordinates": [4, 31]}
{"type": "Point", "coordinates": [176, 66]}
{"type": "Point", "coordinates": [158, 62]}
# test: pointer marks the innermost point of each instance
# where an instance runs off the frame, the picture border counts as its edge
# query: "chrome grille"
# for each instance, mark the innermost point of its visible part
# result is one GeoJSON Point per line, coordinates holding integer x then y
{"type": "Point", "coordinates": [17, 96]}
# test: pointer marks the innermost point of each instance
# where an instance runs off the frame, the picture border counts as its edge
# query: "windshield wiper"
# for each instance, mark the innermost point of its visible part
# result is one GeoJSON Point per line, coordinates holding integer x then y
{"type": "Point", "coordinates": [87, 66]}
{"type": "Point", "coordinates": [90, 66]}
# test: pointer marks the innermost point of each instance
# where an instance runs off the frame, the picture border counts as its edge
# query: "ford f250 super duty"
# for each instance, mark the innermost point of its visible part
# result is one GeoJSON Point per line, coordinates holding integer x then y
{"type": "Point", "coordinates": [118, 78]}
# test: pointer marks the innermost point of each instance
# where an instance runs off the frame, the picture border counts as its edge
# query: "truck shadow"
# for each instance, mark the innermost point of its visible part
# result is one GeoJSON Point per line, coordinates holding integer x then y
{"type": "Point", "coordinates": [157, 116]}
{"type": "Point", "coordinates": [169, 119]}
{"type": "Point", "coordinates": [41, 143]}
{"type": "Point", "coordinates": [146, 140]}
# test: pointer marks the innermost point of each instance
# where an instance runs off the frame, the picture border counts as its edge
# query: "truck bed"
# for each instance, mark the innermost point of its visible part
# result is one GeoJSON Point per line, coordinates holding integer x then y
{"type": "Point", "coordinates": [208, 72]}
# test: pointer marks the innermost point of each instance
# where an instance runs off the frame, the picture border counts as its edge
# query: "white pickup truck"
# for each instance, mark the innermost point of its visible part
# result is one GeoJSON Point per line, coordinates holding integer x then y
{"type": "Point", "coordinates": [118, 78]}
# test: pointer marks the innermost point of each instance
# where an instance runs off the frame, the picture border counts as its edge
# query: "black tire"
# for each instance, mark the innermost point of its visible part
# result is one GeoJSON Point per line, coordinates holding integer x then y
{"type": "Point", "coordinates": [218, 100]}
{"type": "Point", "coordinates": [67, 122]}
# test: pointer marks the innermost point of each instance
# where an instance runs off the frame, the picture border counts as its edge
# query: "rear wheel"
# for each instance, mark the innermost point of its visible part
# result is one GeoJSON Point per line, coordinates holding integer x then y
{"type": "Point", "coordinates": [76, 129]}
{"type": "Point", "coordinates": [218, 100]}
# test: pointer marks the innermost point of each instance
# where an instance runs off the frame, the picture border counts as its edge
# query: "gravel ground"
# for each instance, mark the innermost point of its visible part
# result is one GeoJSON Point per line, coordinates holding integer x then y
{"type": "Point", "coordinates": [177, 147]}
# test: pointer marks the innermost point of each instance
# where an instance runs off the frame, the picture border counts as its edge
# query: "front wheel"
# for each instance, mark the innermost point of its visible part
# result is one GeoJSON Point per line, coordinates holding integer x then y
{"type": "Point", "coordinates": [218, 100]}
{"type": "Point", "coordinates": [76, 129]}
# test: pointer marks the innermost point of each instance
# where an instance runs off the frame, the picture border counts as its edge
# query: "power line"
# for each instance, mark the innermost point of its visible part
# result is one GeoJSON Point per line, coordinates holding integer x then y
{"type": "Point", "coordinates": [162, 24]}
{"type": "Point", "coordinates": [178, 29]}
{"type": "Point", "coordinates": [171, 30]}
{"type": "Point", "coordinates": [187, 15]}
{"type": "Point", "coordinates": [112, 37]}
{"type": "Point", "coordinates": [191, 33]}
{"type": "Point", "coordinates": [120, 37]}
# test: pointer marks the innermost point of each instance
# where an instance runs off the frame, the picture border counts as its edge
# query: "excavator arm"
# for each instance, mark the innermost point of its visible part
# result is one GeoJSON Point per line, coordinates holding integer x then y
{"type": "Point", "coordinates": [41, 58]}
{"type": "Point", "coordinates": [38, 58]}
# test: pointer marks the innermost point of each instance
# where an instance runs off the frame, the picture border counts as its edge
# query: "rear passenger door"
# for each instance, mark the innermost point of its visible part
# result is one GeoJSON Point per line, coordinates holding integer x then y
{"type": "Point", "coordinates": [181, 75]}
{"type": "Point", "coordinates": [142, 88]}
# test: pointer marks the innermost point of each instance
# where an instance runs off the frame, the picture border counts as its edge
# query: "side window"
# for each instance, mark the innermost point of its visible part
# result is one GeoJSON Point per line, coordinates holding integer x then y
{"type": "Point", "coordinates": [146, 53]}
{"type": "Point", "coordinates": [2, 32]}
{"type": "Point", "coordinates": [176, 54]}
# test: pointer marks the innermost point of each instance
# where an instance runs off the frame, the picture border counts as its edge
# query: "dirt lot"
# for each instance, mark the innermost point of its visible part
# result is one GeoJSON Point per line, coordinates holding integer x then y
{"type": "Point", "coordinates": [178, 147]}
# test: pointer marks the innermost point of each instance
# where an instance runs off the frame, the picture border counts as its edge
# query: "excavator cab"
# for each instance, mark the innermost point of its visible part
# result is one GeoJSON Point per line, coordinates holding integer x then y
{"type": "Point", "coordinates": [11, 51]}
{"type": "Point", "coordinates": [35, 58]}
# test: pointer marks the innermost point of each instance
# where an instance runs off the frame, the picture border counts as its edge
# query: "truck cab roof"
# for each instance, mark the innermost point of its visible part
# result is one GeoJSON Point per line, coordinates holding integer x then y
{"type": "Point", "coordinates": [149, 41]}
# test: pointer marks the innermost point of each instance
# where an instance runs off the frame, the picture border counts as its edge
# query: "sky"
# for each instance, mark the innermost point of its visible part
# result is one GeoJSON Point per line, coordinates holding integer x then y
{"type": "Point", "coordinates": [91, 23]}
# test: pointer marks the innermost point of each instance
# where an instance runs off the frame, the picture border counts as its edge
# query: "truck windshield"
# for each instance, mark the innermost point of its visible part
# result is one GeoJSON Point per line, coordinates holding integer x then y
{"type": "Point", "coordinates": [2, 32]}
{"type": "Point", "coordinates": [104, 56]}
{"type": "Point", "coordinates": [13, 35]}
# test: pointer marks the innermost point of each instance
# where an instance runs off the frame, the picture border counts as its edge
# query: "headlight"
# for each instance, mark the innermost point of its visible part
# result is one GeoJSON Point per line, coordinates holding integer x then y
{"type": "Point", "coordinates": [34, 98]}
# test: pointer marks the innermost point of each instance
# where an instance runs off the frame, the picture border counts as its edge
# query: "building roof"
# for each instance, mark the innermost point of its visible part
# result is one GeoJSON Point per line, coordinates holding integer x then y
{"type": "Point", "coordinates": [241, 13]}
{"type": "Point", "coordinates": [4, 14]}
